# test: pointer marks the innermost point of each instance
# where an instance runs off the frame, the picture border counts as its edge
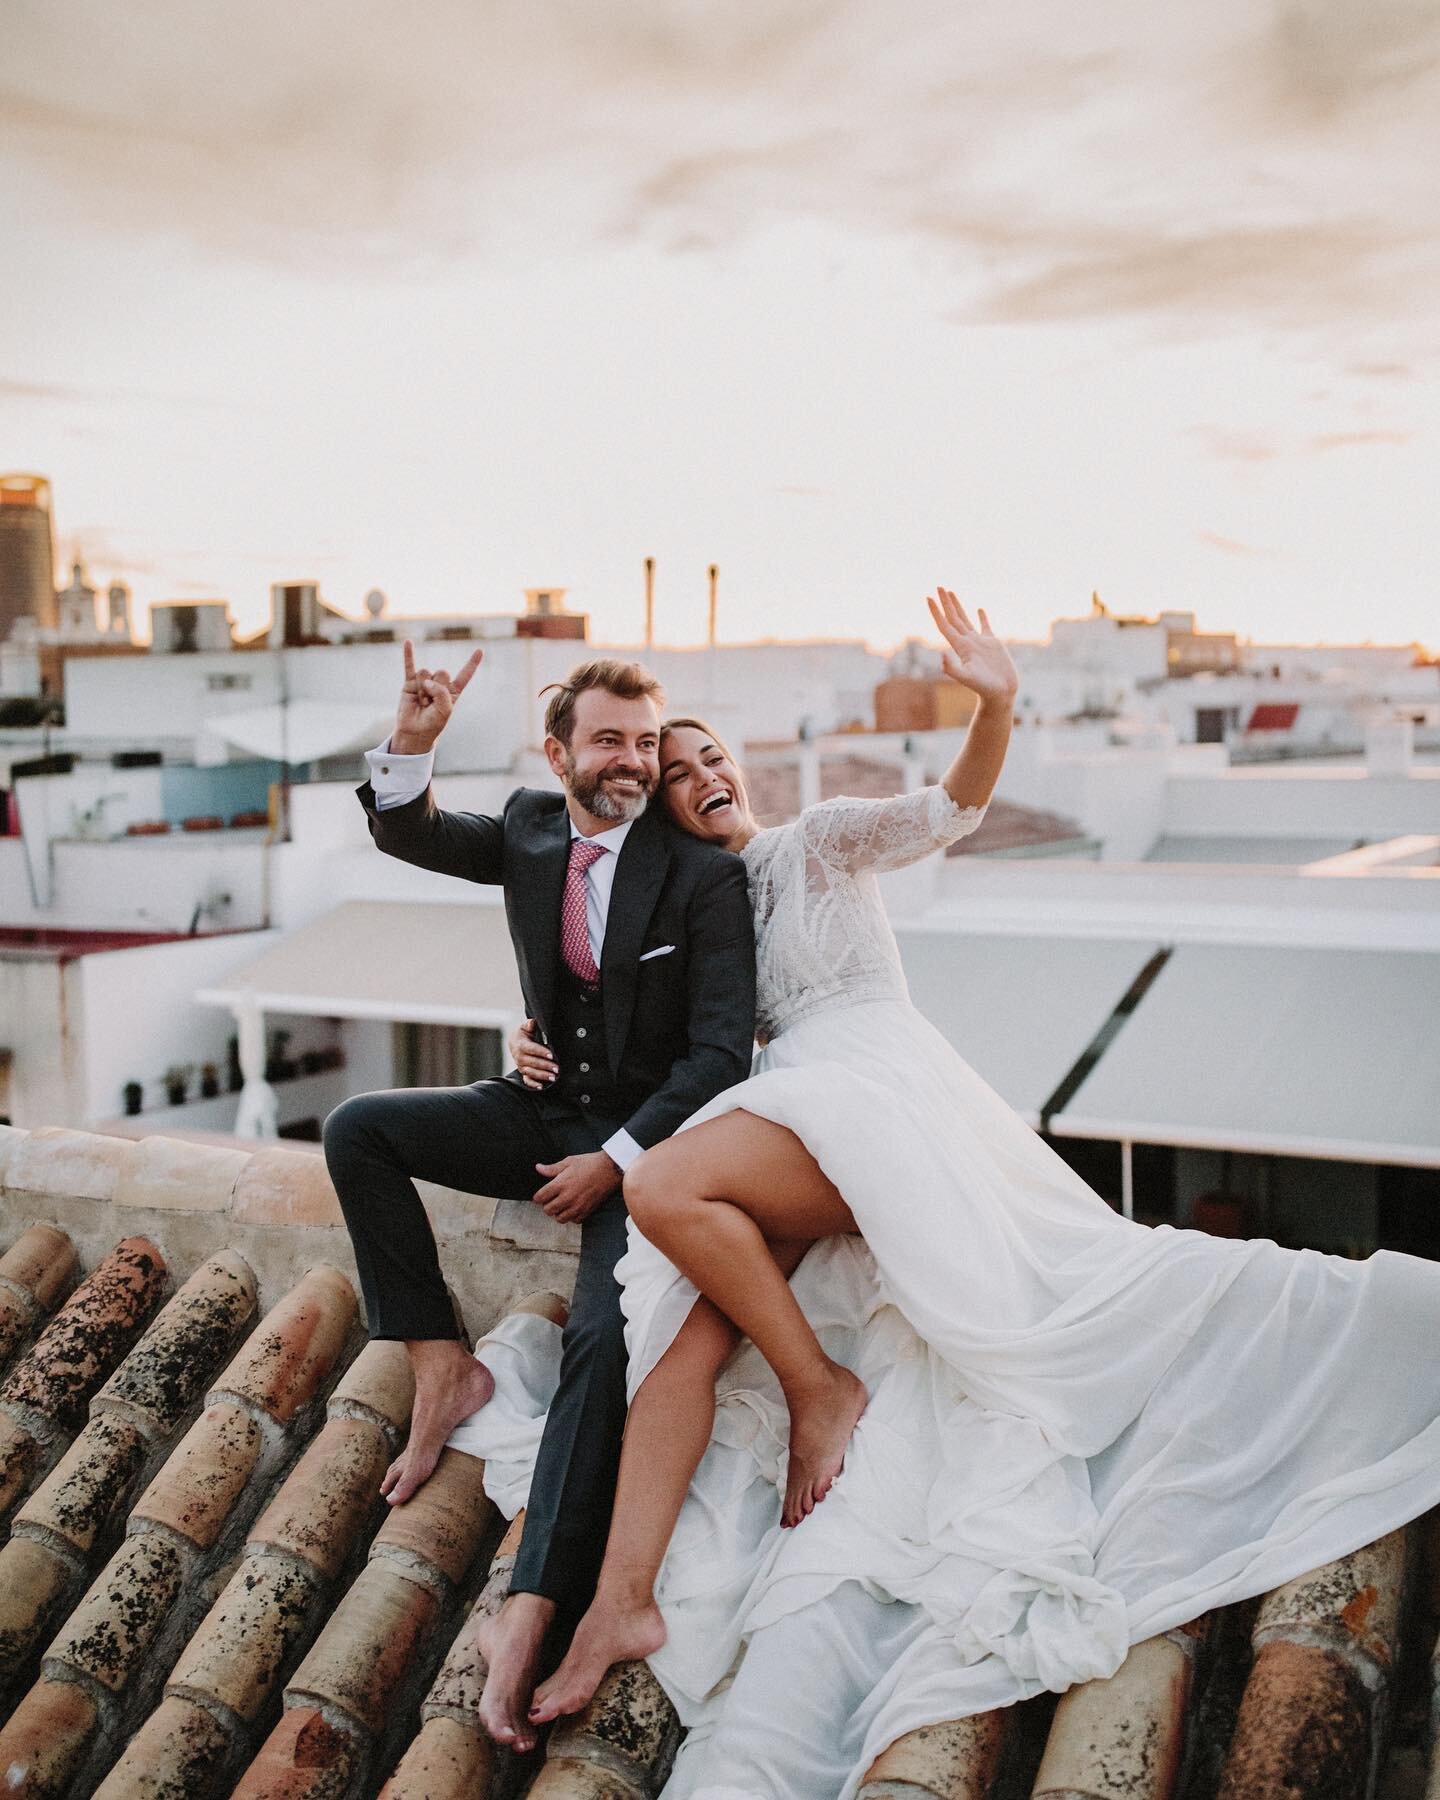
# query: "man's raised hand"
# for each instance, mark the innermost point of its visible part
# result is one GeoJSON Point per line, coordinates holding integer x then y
{"type": "Point", "coordinates": [427, 700]}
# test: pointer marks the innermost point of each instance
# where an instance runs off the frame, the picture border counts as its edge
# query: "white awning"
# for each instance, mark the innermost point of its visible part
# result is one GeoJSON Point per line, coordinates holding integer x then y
{"type": "Point", "coordinates": [302, 731]}
{"type": "Point", "coordinates": [1304, 1052]}
{"type": "Point", "coordinates": [1020, 1010]}
{"type": "Point", "coordinates": [435, 963]}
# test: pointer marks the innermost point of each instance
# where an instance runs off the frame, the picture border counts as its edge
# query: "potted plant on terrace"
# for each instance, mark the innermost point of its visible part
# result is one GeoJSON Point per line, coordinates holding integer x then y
{"type": "Point", "coordinates": [177, 1082]}
{"type": "Point", "coordinates": [209, 1080]}
{"type": "Point", "coordinates": [134, 1094]}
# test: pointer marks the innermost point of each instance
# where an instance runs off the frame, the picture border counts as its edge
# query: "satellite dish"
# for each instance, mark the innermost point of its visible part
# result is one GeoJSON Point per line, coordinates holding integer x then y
{"type": "Point", "coordinates": [375, 603]}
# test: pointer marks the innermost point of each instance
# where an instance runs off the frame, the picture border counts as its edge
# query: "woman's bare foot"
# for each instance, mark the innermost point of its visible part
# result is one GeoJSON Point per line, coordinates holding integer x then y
{"type": "Point", "coordinates": [511, 1643]}
{"type": "Point", "coordinates": [611, 1632]}
{"type": "Point", "coordinates": [823, 1416]}
{"type": "Point", "coordinates": [449, 1386]}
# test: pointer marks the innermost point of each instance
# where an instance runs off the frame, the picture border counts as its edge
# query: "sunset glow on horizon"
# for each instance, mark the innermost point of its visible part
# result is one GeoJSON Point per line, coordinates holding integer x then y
{"type": "Point", "coordinates": [849, 299]}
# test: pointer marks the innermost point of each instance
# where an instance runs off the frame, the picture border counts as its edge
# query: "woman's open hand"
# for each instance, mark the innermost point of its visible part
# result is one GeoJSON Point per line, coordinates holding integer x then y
{"type": "Point", "coordinates": [533, 1060]}
{"type": "Point", "coordinates": [973, 656]}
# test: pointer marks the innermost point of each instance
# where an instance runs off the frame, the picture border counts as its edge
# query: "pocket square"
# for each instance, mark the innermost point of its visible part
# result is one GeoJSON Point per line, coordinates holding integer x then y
{"type": "Point", "coordinates": [664, 950]}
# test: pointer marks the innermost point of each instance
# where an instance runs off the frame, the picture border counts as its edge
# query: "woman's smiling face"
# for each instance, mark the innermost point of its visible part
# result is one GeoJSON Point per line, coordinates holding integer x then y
{"type": "Point", "coordinates": [703, 788]}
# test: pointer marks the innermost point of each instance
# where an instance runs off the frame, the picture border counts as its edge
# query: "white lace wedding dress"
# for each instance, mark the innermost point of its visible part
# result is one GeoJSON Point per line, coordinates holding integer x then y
{"type": "Point", "coordinates": [1081, 1431]}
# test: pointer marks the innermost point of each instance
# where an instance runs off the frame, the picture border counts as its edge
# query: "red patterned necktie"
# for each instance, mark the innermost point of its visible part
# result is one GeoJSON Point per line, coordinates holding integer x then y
{"type": "Point", "coordinates": [574, 934]}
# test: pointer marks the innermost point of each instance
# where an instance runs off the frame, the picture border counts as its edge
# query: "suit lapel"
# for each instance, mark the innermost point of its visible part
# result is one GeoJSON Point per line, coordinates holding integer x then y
{"type": "Point", "coordinates": [540, 886]}
{"type": "Point", "coordinates": [639, 875]}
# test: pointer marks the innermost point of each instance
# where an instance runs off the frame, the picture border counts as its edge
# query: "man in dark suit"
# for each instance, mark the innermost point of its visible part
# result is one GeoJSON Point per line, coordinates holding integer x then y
{"type": "Point", "coordinates": [636, 956]}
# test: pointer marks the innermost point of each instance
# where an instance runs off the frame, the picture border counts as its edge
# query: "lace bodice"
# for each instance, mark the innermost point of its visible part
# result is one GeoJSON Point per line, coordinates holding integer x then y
{"type": "Point", "coordinates": [821, 934]}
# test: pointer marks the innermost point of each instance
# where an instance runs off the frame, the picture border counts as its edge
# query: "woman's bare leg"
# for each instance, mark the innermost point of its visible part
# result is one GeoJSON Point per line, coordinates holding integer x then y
{"type": "Point", "coordinates": [710, 1198]}
{"type": "Point", "coordinates": [666, 1434]}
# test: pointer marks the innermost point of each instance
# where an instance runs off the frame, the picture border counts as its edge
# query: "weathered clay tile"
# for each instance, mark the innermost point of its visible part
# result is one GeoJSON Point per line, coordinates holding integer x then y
{"type": "Point", "coordinates": [438, 1532]}
{"type": "Point", "coordinates": [34, 1273]}
{"type": "Point", "coordinates": [171, 1175]}
{"type": "Point", "coordinates": [1125, 1736]}
{"type": "Point", "coordinates": [39, 1750]}
{"type": "Point", "coordinates": [627, 1735]}
{"type": "Point", "coordinates": [323, 1506]}
{"type": "Point", "coordinates": [87, 1338]}
{"type": "Point", "coordinates": [34, 1580]}
{"type": "Point", "coordinates": [368, 1646]}
{"type": "Point", "coordinates": [289, 1355]}
{"type": "Point", "coordinates": [200, 1480]}
{"type": "Point", "coordinates": [21, 1456]}
{"type": "Point", "coordinates": [952, 1761]}
{"type": "Point", "coordinates": [113, 1627]}
{"type": "Point", "coordinates": [240, 1651]}
{"type": "Point", "coordinates": [285, 1187]}
{"type": "Point", "coordinates": [1304, 1728]}
{"type": "Point", "coordinates": [165, 1374]}
{"type": "Point", "coordinates": [177, 1753]}
{"type": "Point", "coordinates": [306, 1757]}
{"type": "Point", "coordinates": [380, 1382]}
{"type": "Point", "coordinates": [1324, 1648]}
{"type": "Point", "coordinates": [87, 1489]}
{"type": "Point", "coordinates": [447, 1761]}
{"type": "Point", "coordinates": [456, 1693]}
{"type": "Point", "coordinates": [570, 1778]}
{"type": "Point", "coordinates": [53, 1159]}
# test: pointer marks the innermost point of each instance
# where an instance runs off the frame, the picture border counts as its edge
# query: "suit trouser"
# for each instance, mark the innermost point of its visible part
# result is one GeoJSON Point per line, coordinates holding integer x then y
{"type": "Point", "coordinates": [487, 1139]}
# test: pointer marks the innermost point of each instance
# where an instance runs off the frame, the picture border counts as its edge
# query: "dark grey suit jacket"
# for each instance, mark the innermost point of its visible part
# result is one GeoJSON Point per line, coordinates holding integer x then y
{"type": "Point", "coordinates": [678, 1027]}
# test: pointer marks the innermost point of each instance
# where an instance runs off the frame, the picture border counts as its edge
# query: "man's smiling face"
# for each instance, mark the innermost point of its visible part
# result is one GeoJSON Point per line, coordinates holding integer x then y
{"type": "Point", "coordinates": [612, 764]}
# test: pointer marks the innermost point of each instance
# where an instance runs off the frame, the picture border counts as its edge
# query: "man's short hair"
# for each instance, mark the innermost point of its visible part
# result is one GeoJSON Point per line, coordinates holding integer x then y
{"type": "Point", "coordinates": [625, 680]}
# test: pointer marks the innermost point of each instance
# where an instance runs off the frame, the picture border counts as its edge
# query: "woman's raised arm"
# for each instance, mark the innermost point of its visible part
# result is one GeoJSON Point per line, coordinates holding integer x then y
{"type": "Point", "coordinates": [978, 660]}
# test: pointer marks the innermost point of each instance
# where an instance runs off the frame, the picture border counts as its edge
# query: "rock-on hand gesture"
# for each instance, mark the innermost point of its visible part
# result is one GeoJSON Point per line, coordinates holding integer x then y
{"type": "Point", "coordinates": [427, 700]}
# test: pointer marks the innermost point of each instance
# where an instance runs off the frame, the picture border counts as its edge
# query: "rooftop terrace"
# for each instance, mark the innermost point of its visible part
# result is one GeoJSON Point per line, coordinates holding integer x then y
{"type": "Point", "coordinates": [201, 1594]}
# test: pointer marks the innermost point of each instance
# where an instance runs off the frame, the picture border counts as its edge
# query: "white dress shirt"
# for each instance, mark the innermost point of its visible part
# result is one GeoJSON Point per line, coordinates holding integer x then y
{"type": "Point", "coordinates": [396, 780]}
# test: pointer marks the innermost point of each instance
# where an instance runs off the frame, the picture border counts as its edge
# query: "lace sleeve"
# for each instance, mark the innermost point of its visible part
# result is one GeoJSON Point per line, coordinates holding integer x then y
{"type": "Point", "coordinates": [851, 835]}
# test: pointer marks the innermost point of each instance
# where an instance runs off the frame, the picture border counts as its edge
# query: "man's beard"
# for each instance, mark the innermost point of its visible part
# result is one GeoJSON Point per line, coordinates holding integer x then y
{"type": "Point", "coordinates": [602, 802]}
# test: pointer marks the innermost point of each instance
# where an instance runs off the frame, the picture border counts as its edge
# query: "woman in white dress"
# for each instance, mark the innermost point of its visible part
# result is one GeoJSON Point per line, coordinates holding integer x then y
{"type": "Point", "coordinates": [1080, 1432]}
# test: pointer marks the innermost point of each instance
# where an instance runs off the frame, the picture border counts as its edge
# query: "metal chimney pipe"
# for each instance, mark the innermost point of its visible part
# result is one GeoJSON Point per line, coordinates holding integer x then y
{"type": "Point", "coordinates": [714, 584]}
{"type": "Point", "coordinates": [649, 602]}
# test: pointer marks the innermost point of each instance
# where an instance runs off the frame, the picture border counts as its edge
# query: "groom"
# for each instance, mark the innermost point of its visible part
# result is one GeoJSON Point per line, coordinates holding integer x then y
{"type": "Point", "coordinates": [636, 957]}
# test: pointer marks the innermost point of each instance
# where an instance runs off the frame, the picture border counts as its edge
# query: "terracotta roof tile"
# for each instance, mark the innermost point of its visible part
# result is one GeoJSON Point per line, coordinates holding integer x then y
{"type": "Point", "coordinates": [435, 1536]}
{"type": "Point", "coordinates": [34, 1272]}
{"type": "Point", "coordinates": [1124, 1736]}
{"type": "Point", "coordinates": [186, 1749]}
{"type": "Point", "coordinates": [368, 1646]}
{"type": "Point", "coordinates": [627, 1735]}
{"type": "Point", "coordinates": [957, 1761]}
{"type": "Point", "coordinates": [291, 1353]}
{"type": "Point", "coordinates": [41, 1749]}
{"type": "Point", "coordinates": [305, 1757]}
{"type": "Point", "coordinates": [241, 1592]}
{"type": "Point", "coordinates": [449, 1760]}
{"type": "Point", "coordinates": [238, 1654]}
{"type": "Point", "coordinates": [168, 1175]}
{"type": "Point", "coordinates": [379, 1383]}
{"type": "Point", "coordinates": [198, 1484]}
{"type": "Point", "coordinates": [322, 1508]}
{"type": "Point", "coordinates": [285, 1187]}
{"type": "Point", "coordinates": [44, 1397]}
{"type": "Point", "coordinates": [55, 1160]}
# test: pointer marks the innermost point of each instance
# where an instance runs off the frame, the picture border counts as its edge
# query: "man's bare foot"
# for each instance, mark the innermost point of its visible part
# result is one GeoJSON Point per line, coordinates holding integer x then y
{"type": "Point", "coordinates": [611, 1632]}
{"type": "Point", "coordinates": [822, 1418]}
{"type": "Point", "coordinates": [449, 1386]}
{"type": "Point", "coordinates": [511, 1643]}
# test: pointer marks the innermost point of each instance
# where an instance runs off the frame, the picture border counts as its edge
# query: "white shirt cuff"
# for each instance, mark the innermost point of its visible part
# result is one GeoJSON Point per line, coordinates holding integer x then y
{"type": "Point", "coordinates": [396, 780]}
{"type": "Point", "coordinates": [622, 1150]}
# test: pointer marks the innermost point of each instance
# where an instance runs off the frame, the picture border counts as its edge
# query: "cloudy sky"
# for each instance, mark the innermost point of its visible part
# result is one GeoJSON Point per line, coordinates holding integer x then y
{"type": "Point", "coordinates": [848, 296]}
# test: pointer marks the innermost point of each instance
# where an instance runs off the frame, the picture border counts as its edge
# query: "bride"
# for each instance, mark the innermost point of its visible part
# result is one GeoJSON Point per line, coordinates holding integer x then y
{"type": "Point", "coordinates": [1060, 1432]}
